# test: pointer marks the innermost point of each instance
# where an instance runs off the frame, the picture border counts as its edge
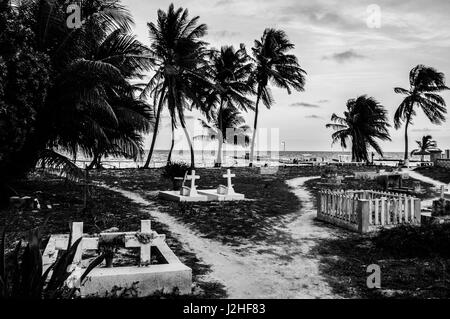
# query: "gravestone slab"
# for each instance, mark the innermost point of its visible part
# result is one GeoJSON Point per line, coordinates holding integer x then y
{"type": "Point", "coordinates": [137, 281]}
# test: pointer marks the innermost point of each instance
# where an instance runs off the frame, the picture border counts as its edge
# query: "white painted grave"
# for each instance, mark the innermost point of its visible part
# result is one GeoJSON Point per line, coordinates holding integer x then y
{"type": "Point", "coordinates": [144, 279]}
{"type": "Point", "coordinates": [186, 194]}
{"type": "Point", "coordinates": [223, 193]}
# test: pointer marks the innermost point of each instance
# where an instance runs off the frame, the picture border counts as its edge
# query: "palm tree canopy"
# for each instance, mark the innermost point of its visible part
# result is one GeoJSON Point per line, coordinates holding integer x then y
{"type": "Point", "coordinates": [180, 60]}
{"type": "Point", "coordinates": [426, 144]}
{"type": "Point", "coordinates": [275, 65]}
{"type": "Point", "coordinates": [425, 84]}
{"type": "Point", "coordinates": [231, 118]}
{"type": "Point", "coordinates": [90, 103]}
{"type": "Point", "coordinates": [229, 73]}
{"type": "Point", "coordinates": [363, 123]}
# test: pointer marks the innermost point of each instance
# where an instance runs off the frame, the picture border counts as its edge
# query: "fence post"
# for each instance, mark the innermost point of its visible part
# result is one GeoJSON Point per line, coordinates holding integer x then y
{"type": "Point", "coordinates": [362, 215]}
{"type": "Point", "coordinates": [417, 211]}
{"type": "Point", "coordinates": [319, 202]}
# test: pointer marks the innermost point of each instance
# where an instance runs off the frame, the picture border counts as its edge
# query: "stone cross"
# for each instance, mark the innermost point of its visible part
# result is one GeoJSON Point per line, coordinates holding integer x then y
{"type": "Point", "coordinates": [85, 244]}
{"type": "Point", "coordinates": [132, 241]}
{"type": "Point", "coordinates": [192, 178]}
{"type": "Point", "coordinates": [228, 176]}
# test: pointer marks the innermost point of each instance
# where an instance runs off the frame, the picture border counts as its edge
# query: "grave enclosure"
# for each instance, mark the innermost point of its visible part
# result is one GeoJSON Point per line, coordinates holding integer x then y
{"type": "Point", "coordinates": [144, 279]}
{"type": "Point", "coordinates": [366, 211]}
{"type": "Point", "coordinates": [191, 194]}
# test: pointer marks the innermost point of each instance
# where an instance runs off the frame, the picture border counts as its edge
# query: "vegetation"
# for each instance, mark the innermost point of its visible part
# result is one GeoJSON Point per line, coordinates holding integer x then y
{"type": "Point", "coordinates": [363, 123]}
{"type": "Point", "coordinates": [425, 84]}
{"type": "Point", "coordinates": [25, 278]}
{"type": "Point", "coordinates": [275, 65]}
{"type": "Point", "coordinates": [230, 71]}
{"type": "Point", "coordinates": [425, 145]}
{"type": "Point", "coordinates": [179, 57]}
{"type": "Point", "coordinates": [68, 89]}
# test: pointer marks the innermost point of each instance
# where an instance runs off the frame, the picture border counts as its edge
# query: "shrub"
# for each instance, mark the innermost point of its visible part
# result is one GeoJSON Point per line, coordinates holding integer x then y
{"type": "Point", "coordinates": [416, 241]}
{"type": "Point", "coordinates": [175, 169]}
{"type": "Point", "coordinates": [24, 277]}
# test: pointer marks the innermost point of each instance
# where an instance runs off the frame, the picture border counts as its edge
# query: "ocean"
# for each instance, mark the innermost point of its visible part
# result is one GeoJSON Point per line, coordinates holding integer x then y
{"type": "Point", "coordinates": [237, 158]}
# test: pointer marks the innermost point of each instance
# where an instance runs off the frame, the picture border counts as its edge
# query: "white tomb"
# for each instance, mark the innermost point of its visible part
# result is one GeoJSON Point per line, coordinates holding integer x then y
{"type": "Point", "coordinates": [186, 194]}
{"type": "Point", "coordinates": [144, 279]}
{"type": "Point", "coordinates": [223, 193]}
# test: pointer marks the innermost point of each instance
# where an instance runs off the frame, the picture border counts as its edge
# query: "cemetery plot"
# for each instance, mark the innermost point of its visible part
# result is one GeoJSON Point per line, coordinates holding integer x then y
{"type": "Point", "coordinates": [223, 193]}
{"type": "Point", "coordinates": [186, 194]}
{"type": "Point", "coordinates": [191, 194]}
{"type": "Point", "coordinates": [366, 211]}
{"type": "Point", "coordinates": [164, 273]}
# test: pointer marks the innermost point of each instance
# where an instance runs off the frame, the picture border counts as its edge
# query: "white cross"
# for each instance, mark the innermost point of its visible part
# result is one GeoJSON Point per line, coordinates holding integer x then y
{"type": "Point", "coordinates": [228, 176]}
{"type": "Point", "coordinates": [86, 242]}
{"type": "Point", "coordinates": [192, 178]}
{"type": "Point", "coordinates": [132, 241]}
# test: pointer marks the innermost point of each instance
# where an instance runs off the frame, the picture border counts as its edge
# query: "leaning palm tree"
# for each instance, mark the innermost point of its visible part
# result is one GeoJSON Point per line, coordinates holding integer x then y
{"type": "Point", "coordinates": [425, 84]}
{"type": "Point", "coordinates": [275, 65]}
{"type": "Point", "coordinates": [425, 145]}
{"type": "Point", "coordinates": [363, 123]}
{"type": "Point", "coordinates": [180, 59]}
{"type": "Point", "coordinates": [229, 72]}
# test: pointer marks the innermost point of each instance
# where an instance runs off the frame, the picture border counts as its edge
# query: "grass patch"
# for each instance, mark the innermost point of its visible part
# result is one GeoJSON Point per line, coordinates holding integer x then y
{"type": "Point", "coordinates": [437, 173]}
{"type": "Point", "coordinates": [230, 222]}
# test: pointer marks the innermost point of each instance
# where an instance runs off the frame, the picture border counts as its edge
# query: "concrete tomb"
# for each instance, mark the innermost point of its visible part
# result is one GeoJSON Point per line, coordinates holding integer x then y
{"type": "Point", "coordinates": [140, 280]}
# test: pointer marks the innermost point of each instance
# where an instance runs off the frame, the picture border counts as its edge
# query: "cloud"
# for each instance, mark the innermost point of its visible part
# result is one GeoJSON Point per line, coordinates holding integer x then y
{"type": "Point", "coordinates": [313, 116]}
{"type": "Point", "coordinates": [345, 56]}
{"type": "Point", "coordinates": [304, 104]}
{"type": "Point", "coordinates": [224, 34]}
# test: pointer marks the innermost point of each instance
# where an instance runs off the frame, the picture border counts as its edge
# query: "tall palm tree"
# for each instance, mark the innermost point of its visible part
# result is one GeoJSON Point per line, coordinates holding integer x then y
{"type": "Point", "coordinates": [275, 65]}
{"type": "Point", "coordinates": [425, 84]}
{"type": "Point", "coordinates": [180, 63]}
{"type": "Point", "coordinates": [425, 145]}
{"type": "Point", "coordinates": [363, 123]}
{"type": "Point", "coordinates": [229, 72]}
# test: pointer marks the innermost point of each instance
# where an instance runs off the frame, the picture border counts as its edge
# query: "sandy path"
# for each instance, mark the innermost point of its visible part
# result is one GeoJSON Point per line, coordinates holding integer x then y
{"type": "Point", "coordinates": [429, 202]}
{"type": "Point", "coordinates": [284, 270]}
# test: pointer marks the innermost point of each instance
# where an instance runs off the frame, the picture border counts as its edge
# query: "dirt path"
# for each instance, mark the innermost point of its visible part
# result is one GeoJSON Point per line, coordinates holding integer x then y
{"type": "Point", "coordinates": [284, 270]}
{"type": "Point", "coordinates": [429, 202]}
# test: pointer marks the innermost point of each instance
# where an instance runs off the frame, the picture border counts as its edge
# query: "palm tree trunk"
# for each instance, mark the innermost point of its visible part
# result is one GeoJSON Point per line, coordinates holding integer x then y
{"type": "Point", "coordinates": [190, 144]}
{"type": "Point", "coordinates": [220, 137]}
{"type": "Point", "coordinates": [255, 126]}
{"type": "Point", "coordinates": [406, 139]}
{"type": "Point", "coordinates": [155, 131]}
{"type": "Point", "coordinates": [169, 158]}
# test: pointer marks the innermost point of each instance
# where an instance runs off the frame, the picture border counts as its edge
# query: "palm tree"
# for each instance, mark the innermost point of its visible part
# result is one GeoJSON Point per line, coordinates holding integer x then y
{"type": "Point", "coordinates": [425, 82]}
{"type": "Point", "coordinates": [229, 73]}
{"type": "Point", "coordinates": [363, 123]}
{"type": "Point", "coordinates": [425, 145]}
{"type": "Point", "coordinates": [274, 64]}
{"type": "Point", "coordinates": [88, 94]}
{"type": "Point", "coordinates": [230, 118]}
{"type": "Point", "coordinates": [180, 64]}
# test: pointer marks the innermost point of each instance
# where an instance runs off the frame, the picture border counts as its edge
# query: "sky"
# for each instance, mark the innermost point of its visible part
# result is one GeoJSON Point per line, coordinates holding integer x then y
{"type": "Point", "coordinates": [344, 48]}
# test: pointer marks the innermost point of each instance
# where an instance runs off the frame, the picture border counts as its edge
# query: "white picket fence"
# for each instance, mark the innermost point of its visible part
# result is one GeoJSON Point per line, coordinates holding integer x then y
{"type": "Point", "coordinates": [366, 211]}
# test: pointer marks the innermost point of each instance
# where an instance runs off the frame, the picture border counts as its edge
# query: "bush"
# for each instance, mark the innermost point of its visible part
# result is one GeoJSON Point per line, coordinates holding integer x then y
{"type": "Point", "coordinates": [416, 241]}
{"type": "Point", "coordinates": [175, 169]}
